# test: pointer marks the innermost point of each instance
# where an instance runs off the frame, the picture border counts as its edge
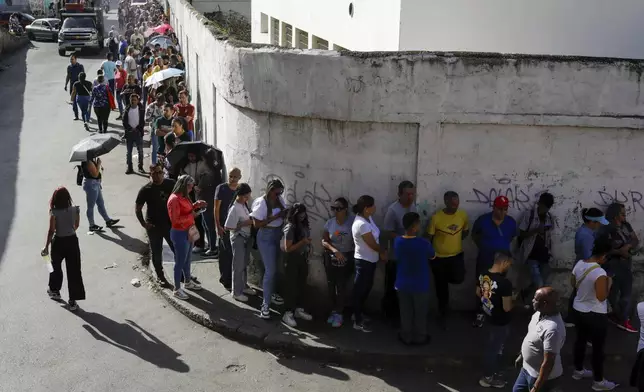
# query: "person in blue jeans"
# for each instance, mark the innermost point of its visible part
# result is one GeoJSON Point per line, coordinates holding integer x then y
{"type": "Point", "coordinates": [412, 280]}
{"type": "Point", "coordinates": [495, 294]}
{"type": "Point", "coordinates": [268, 214]}
{"type": "Point", "coordinates": [82, 93]}
{"type": "Point", "coordinates": [94, 191]}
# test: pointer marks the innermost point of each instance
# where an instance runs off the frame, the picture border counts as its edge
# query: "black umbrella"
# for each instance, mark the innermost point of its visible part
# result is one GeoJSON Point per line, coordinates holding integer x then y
{"type": "Point", "coordinates": [181, 150]}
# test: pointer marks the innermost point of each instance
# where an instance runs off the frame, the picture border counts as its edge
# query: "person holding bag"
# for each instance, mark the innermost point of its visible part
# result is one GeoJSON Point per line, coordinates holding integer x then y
{"type": "Point", "coordinates": [182, 212]}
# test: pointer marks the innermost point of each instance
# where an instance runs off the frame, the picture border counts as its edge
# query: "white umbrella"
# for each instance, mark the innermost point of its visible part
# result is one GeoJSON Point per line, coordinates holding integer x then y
{"type": "Point", "coordinates": [160, 76]}
{"type": "Point", "coordinates": [92, 147]}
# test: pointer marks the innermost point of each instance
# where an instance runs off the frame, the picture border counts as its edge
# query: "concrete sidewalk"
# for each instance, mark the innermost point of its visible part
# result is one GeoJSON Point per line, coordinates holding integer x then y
{"type": "Point", "coordinates": [460, 346]}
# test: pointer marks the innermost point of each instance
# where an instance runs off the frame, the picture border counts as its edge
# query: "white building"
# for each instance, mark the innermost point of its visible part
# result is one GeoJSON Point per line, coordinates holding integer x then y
{"type": "Point", "coordinates": [597, 28]}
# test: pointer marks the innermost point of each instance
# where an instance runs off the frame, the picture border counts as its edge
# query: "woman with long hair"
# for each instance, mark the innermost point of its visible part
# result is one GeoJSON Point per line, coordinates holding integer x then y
{"type": "Point", "coordinates": [93, 187]}
{"type": "Point", "coordinates": [101, 103]}
{"type": "Point", "coordinates": [590, 304]}
{"type": "Point", "coordinates": [337, 242]}
{"type": "Point", "coordinates": [81, 93]}
{"type": "Point", "coordinates": [296, 245]}
{"type": "Point", "coordinates": [182, 212]}
{"type": "Point", "coordinates": [238, 224]}
{"type": "Point", "coordinates": [64, 219]}
{"type": "Point", "coordinates": [367, 253]}
{"type": "Point", "coordinates": [268, 213]}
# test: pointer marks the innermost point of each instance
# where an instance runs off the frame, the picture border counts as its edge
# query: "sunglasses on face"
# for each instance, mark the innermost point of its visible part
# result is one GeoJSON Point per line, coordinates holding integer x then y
{"type": "Point", "coordinates": [335, 208]}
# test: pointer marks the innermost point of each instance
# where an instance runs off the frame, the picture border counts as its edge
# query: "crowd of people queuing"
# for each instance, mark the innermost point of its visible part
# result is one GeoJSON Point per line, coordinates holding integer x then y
{"type": "Point", "coordinates": [195, 211]}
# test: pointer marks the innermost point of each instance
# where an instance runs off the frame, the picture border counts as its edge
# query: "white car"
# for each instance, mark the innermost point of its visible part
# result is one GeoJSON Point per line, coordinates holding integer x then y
{"type": "Point", "coordinates": [45, 29]}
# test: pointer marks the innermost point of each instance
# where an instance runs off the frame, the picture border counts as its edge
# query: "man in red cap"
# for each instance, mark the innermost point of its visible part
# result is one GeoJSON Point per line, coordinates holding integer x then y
{"type": "Point", "coordinates": [492, 232]}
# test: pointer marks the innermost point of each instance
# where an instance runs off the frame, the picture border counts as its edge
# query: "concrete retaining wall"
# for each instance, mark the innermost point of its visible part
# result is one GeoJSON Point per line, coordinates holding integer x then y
{"type": "Point", "coordinates": [9, 43]}
{"type": "Point", "coordinates": [336, 125]}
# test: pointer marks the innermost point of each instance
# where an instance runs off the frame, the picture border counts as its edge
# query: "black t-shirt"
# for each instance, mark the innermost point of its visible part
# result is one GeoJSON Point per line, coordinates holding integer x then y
{"type": "Point", "coordinates": [539, 250]}
{"type": "Point", "coordinates": [185, 137]}
{"type": "Point", "coordinates": [225, 195]}
{"type": "Point", "coordinates": [155, 197]}
{"type": "Point", "coordinates": [619, 236]}
{"type": "Point", "coordinates": [83, 88]}
{"type": "Point", "coordinates": [493, 288]}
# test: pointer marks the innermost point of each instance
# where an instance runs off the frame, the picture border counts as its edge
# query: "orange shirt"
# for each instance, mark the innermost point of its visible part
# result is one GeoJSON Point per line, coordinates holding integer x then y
{"type": "Point", "coordinates": [180, 212]}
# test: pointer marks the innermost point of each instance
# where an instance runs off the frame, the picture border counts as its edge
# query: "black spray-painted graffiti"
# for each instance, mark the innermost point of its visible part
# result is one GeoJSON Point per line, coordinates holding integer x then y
{"type": "Point", "coordinates": [521, 197]}
{"type": "Point", "coordinates": [314, 196]}
{"type": "Point", "coordinates": [631, 199]}
{"type": "Point", "coordinates": [354, 85]}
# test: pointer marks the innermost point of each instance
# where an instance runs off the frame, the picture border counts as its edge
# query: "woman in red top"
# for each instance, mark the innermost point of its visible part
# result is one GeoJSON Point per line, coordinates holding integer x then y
{"type": "Point", "coordinates": [182, 212]}
{"type": "Point", "coordinates": [185, 110]}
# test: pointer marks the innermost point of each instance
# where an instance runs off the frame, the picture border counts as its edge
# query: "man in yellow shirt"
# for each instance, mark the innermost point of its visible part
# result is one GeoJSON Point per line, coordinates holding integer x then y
{"type": "Point", "coordinates": [447, 229]}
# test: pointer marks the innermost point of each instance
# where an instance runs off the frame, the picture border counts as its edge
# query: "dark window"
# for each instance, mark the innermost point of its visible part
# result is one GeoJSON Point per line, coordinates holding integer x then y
{"type": "Point", "coordinates": [82, 23]}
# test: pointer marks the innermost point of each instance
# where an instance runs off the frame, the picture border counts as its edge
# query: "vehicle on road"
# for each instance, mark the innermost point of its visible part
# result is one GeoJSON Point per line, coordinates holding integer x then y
{"type": "Point", "coordinates": [82, 28]}
{"type": "Point", "coordinates": [23, 19]}
{"type": "Point", "coordinates": [44, 29]}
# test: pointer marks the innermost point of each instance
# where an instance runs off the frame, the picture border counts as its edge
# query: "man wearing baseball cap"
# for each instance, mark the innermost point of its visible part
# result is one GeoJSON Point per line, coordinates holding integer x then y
{"type": "Point", "coordinates": [492, 232]}
{"type": "Point", "coordinates": [119, 82]}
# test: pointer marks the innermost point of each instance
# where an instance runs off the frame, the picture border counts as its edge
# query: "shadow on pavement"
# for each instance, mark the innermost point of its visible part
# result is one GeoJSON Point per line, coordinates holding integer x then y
{"type": "Point", "coordinates": [132, 338]}
{"type": "Point", "coordinates": [13, 76]}
{"type": "Point", "coordinates": [131, 244]}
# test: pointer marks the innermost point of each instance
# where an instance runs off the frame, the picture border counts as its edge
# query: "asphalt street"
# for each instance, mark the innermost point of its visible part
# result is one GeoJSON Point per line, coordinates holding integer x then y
{"type": "Point", "coordinates": [124, 338]}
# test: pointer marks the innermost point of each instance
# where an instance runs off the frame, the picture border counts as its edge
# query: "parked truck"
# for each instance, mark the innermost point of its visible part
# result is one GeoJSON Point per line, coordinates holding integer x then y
{"type": "Point", "coordinates": [82, 27]}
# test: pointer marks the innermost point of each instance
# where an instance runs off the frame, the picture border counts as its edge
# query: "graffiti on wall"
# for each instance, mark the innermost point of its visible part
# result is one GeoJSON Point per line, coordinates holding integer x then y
{"type": "Point", "coordinates": [630, 198]}
{"type": "Point", "coordinates": [313, 194]}
{"type": "Point", "coordinates": [521, 197]}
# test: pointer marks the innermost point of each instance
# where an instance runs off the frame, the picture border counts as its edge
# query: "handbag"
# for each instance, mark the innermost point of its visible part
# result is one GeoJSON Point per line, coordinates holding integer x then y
{"type": "Point", "coordinates": [193, 234]}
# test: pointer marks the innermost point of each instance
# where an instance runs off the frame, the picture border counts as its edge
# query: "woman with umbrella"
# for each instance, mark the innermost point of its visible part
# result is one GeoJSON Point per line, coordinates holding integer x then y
{"type": "Point", "coordinates": [94, 191]}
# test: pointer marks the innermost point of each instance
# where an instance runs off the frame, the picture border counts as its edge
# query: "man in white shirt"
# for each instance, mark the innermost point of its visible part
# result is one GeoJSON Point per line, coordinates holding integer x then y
{"type": "Point", "coordinates": [133, 123]}
{"type": "Point", "coordinates": [540, 351]}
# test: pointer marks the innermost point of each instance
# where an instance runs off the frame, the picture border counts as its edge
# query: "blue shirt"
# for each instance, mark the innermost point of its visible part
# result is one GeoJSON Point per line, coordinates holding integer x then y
{"type": "Point", "coordinates": [99, 96]}
{"type": "Point", "coordinates": [109, 69]}
{"type": "Point", "coordinates": [492, 237]}
{"type": "Point", "coordinates": [123, 47]}
{"type": "Point", "coordinates": [412, 268]}
{"type": "Point", "coordinates": [73, 70]}
{"type": "Point", "coordinates": [584, 242]}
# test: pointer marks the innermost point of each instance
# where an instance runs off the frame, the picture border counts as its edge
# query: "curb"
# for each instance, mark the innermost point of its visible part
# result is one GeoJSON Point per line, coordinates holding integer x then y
{"type": "Point", "coordinates": [281, 344]}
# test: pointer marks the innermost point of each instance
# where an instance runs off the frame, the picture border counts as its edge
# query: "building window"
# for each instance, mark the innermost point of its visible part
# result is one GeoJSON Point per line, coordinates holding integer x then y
{"type": "Point", "coordinates": [338, 48]}
{"type": "Point", "coordinates": [301, 39]}
{"type": "Point", "coordinates": [275, 31]}
{"type": "Point", "coordinates": [319, 43]}
{"type": "Point", "coordinates": [263, 28]}
{"type": "Point", "coordinates": [287, 35]}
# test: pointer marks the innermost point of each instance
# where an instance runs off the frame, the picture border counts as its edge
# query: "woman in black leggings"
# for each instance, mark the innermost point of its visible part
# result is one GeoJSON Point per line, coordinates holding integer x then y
{"type": "Point", "coordinates": [101, 102]}
{"type": "Point", "coordinates": [590, 306]}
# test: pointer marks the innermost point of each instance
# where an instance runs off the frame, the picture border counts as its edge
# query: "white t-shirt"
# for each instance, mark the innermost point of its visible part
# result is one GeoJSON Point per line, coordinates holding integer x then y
{"type": "Point", "coordinates": [586, 299]}
{"type": "Point", "coordinates": [260, 211]}
{"type": "Point", "coordinates": [133, 117]}
{"type": "Point", "coordinates": [640, 314]}
{"type": "Point", "coordinates": [360, 227]}
{"type": "Point", "coordinates": [236, 214]}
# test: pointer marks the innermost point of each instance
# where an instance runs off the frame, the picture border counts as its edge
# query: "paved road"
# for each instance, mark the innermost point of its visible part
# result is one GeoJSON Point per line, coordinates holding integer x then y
{"type": "Point", "coordinates": [124, 338]}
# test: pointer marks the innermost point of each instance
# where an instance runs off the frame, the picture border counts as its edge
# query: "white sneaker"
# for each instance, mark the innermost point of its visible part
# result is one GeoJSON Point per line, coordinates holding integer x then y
{"type": "Point", "coordinates": [191, 286]}
{"type": "Point", "coordinates": [604, 385]}
{"type": "Point", "coordinates": [181, 294]}
{"type": "Point", "coordinates": [277, 300]}
{"type": "Point", "coordinates": [265, 313]}
{"type": "Point", "coordinates": [240, 298]}
{"type": "Point", "coordinates": [250, 291]}
{"type": "Point", "coordinates": [301, 314]}
{"type": "Point", "coordinates": [197, 249]}
{"type": "Point", "coordinates": [580, 374]}
{"type": "Point", "coordinates": [289, 320]}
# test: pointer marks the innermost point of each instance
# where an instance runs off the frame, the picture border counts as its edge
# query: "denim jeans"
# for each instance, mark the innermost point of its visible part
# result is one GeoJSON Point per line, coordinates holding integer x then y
{"type": "Point", "coordinates": [119, 101]}
{"type": "Point", "coordinates": [241, 257]}
{"type": "Point", "coordinates": [209, 223]}
{"type": "Point", "coordinates": [497, 335]}
{"type": "Point", "coordinates": [365, 272]}
{"type": "Point", "coordinates": [268, 243]}
{"type": "Point", "coordinates": [155, 146]}
{"type": "Point", "coordinates": [539, 272]}
{"type": "Point", "coordinates": [94, 192]}
{"type": "Point", "coordinates": [83, 103]}
{"type": "Point", "coordinates": [622, 289]}
{"type": "Point", "coordinates": [525, 382]}
{"type": "Point", "coordinates": [182, 255]}
{"type": "Point", "coordinates": [135, 138]}
{"type": "Point", "coordinates": [112, 85]}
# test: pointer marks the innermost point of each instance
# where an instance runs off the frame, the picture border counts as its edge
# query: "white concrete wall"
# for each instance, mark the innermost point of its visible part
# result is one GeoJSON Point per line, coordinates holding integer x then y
{"type": "Point", "coordinates": [240, 6]}
{"type": "Point", "coordinates": [375, 25]}
{"type": "Point", "coordinates": [558, 27]}
{"type": "Point", "coordinates": [482, 125]}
